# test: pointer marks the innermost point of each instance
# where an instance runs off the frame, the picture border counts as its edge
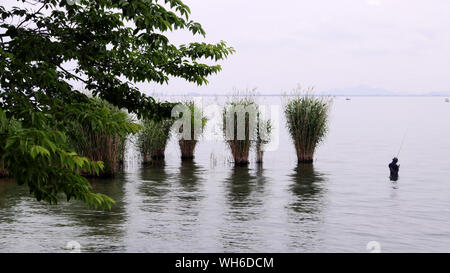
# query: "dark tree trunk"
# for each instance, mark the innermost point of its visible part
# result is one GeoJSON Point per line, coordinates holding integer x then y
{"type": "Point", "coordinates": [187, 148]}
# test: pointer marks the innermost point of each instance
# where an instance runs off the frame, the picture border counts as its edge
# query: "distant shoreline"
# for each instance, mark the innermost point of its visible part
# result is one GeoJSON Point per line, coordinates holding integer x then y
{"type": "Point", "coordinates": [291, 95]}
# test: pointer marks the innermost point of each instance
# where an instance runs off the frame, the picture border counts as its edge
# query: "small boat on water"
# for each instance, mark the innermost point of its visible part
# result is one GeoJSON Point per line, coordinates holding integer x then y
{"type": "Point", "coordinates": [447, 100]}
{"type": "Point", "coordinates": [348, 99]}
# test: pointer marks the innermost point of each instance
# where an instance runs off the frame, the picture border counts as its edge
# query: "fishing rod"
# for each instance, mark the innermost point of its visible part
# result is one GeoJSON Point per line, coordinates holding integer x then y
{"type": "Point", "coordinates": [403, 141]}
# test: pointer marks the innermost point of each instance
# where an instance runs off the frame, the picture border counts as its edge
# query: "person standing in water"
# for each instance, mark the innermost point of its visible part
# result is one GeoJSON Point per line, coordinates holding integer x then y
{"type": "Point", "coordinates": [394, 168]}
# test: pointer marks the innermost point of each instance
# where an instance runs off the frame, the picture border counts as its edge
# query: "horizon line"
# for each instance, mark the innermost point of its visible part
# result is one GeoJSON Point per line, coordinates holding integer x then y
{"type": "Point", "coordinates": [293, 95]}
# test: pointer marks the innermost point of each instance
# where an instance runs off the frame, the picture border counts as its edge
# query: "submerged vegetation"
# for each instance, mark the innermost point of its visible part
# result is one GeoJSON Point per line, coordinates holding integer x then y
{"type": "Point", "coordinates": [188, 140]}
{"type": "Point", "coordinates": [306, 118]}
{"type": "Point", "coordinates": [100, 134]}
{"type": "Point", "coordinates": [239, 123]}
{"type": "Point", "coordinates": [153, 138]}
{"type": "Point", "coordinates": [263, 132]}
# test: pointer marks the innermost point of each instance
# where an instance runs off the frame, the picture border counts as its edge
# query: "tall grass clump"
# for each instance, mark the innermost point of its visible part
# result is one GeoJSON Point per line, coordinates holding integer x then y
{"type": "Point", "coordinates": [153, 139]}
{"type": "Point", "coordinates": [188, 140]}
{"type": "Point", "coordinates": [239, 124]}
{"type": "Point", "coordinates": [98, 130]}
{"type": "Point", "coordinates": [263, 132]}
{"type": "Point", "coordinates": [306, 118]}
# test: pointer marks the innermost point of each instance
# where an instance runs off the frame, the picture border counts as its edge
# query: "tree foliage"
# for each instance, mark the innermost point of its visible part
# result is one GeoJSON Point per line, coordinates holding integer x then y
{"type": "Point", "coordinates": [39, 157]}
{"type": "Point", "coordinates": [46, 46]}
{"type": "Point", "coordinates": [100, 43]}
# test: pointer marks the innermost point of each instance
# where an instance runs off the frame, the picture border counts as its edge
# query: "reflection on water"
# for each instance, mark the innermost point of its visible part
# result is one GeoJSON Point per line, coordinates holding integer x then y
{"type": "Point", "coordinates": [190, 175]}
{"type": "Point", "coordinates": [244, 211]}
{"type": "Point", "coordinates": [261, 179]}
{"type": "Point", "coordinates": [9, 198]}
{"type": "Point", "coordinates": [108, 223]}
{"type": "Point", "coordinates": [49, 227]}
{"type": "Point", "coordinates": [307, 186]}
{"type": "Point", "coordinates": [155, 182]}
{"type": "Point", "coordinates": [306, 205]}
{"type": "Point", "coordinates": [103, 226]}
{"type": "Point", "coordinates": [190, 179]}
{"type": "Point", "coordinates": [395, 185]}
{"type": "Point", "coordinates": [240, 185]}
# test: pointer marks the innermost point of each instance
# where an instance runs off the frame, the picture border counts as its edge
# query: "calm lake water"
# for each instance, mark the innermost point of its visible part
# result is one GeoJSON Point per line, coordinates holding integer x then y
{"type": "Point", "coordinates": [338, 204]}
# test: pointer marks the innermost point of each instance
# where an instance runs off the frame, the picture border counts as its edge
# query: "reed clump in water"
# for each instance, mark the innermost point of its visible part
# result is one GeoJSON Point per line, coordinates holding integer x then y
{"type": "Point", "coordinates": [153, 139]}
{"type": "Point", "coordinates": [263, 132]}
{"type": "Point", "coordinates": [239, 123]}
{"type": "Point", "coordinates": [188, 140]}
{"type": "Point", "coordinates": [101, 138]}
{"type": "Point", "coordinates": [306, 118]}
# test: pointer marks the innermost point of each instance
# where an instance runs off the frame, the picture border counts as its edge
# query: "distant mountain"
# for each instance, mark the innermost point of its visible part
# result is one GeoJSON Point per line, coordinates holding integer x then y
{"type": "Point", "coordinates": [364, 90]}
{"type": "Point", "coordinates": [439, 94]}
{"type": "Point", "coordinates": [361, 90]}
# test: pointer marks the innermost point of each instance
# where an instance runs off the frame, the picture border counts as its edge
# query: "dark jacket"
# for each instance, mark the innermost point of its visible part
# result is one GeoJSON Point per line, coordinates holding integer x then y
{"type": "Point", "coordinates": [394, 168]}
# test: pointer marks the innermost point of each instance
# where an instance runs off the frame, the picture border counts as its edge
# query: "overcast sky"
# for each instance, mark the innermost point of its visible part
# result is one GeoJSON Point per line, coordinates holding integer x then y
{"type": "Point", "coordinates": [399, 45]}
